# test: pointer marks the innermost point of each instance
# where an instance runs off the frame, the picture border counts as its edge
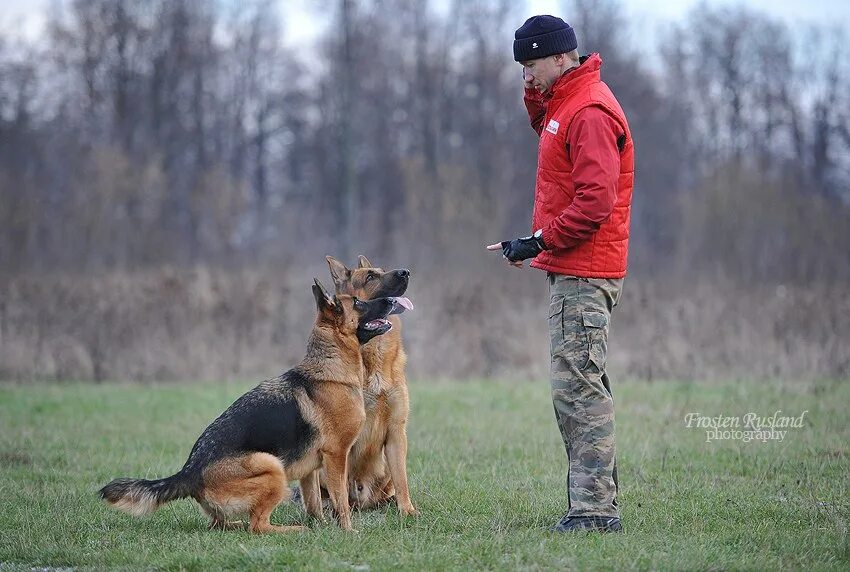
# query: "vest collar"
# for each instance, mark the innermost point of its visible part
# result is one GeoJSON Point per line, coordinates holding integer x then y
{"type": "Point", "coordinates": [587, 72]}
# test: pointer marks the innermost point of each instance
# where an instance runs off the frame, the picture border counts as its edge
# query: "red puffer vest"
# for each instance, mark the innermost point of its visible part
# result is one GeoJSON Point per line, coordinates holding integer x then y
{"type": "Point", "coordinates": [605, 253]}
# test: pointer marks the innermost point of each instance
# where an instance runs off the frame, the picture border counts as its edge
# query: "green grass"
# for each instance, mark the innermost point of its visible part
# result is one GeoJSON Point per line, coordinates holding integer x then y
{"type": "Point", "coordinates": [486, 470]}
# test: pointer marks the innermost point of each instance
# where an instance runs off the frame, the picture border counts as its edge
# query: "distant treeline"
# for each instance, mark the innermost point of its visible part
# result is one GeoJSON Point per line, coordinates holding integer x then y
{"type": "Point", "coordinates": [137, 134]}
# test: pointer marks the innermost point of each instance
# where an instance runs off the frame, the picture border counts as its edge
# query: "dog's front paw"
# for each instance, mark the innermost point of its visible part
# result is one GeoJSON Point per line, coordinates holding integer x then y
{"type": "Point", "coordinates": [408, 510]}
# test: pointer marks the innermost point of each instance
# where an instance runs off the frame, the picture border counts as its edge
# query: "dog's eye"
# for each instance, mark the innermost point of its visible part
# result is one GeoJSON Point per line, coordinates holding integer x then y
{"type": "Point", "coordinates": [369, 277]}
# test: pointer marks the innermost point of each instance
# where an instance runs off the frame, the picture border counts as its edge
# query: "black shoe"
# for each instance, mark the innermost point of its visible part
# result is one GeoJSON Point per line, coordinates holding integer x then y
{"type": "Point", "coordinates": [589, 523]}
{"type": "Point", "coordinates": [295, 496]}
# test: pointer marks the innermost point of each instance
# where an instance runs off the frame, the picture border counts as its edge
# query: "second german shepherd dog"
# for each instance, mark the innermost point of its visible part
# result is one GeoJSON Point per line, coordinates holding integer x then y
{"type": "Point", "coordinates": [284, 429]}
{"type": "Point", "coordinates": [378, 459]}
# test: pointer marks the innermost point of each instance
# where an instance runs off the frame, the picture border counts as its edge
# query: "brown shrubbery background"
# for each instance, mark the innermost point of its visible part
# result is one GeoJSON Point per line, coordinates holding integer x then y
{"type": "Point", "coordinates": [180, 325]}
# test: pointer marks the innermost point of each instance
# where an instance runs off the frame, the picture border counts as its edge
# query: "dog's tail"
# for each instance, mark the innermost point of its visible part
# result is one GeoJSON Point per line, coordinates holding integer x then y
{"type": "Point", "coordinates": [140, 496]}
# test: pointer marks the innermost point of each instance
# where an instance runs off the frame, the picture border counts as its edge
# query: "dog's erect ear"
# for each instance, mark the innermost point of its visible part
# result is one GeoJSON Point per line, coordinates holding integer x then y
{"type": "Point", "coordinates": [338, 270]}
{"type": "Point", "coordinates": [363, 262]}
{"type": "Point", "coordinates": [323, 299]}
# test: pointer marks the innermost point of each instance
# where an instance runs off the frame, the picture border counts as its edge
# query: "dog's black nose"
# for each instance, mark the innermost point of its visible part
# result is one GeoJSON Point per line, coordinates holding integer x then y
{"type": "Point", "coordinates": [403, 273]}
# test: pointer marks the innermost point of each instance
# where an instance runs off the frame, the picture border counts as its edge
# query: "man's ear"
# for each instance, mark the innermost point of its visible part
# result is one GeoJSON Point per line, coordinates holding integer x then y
{"type": "Point", "coordinates": [339, 272]}
{"type": "Point", "coordinates": [363, 262]}
{"type": "Point", "coordinates": [323, 299]}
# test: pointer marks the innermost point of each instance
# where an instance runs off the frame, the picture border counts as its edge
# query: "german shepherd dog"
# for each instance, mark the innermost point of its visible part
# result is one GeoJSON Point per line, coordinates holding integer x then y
{"type": "Point", "coordinates": [378, 459]}
{"type": "Point", "coordinates": [284, 429]}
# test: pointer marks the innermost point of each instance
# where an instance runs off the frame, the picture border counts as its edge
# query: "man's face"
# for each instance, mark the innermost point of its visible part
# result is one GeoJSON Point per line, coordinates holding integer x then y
{"type": "Point", "coordinates": [542, 73]}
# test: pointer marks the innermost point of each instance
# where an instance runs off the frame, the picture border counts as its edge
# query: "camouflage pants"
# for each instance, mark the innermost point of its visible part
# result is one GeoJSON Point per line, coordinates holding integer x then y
{"type": "Point", "coordinates": [579, 315]}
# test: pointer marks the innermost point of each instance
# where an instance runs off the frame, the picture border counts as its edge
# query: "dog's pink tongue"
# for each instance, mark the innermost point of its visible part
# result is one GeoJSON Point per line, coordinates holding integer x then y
{"type": "Point", "coordinates": [404, 302]}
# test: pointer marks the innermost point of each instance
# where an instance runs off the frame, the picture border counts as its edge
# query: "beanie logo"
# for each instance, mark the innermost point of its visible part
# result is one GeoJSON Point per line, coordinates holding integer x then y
{"type": "Point", "coordinates": [534, 46]}
{"type": "Point", "coordinates": [553, 127]}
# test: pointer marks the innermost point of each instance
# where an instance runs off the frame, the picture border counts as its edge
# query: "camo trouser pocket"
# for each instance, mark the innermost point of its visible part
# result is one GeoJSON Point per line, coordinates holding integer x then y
{"type": "Point", "coordinates": [595, 325]}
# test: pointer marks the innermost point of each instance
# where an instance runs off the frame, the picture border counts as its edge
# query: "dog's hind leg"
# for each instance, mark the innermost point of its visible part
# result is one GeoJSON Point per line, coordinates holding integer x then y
{"type": "Point", "coordinates": [254, 483]}
{"type": "Point", "coordinates": [218, 516]}
{"type": "Point", "coordinates": [269, 482]}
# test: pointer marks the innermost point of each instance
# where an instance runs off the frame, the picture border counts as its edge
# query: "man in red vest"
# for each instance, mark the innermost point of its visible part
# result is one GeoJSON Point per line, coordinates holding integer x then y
{"type": "Point", "coordinates": [580, 237]}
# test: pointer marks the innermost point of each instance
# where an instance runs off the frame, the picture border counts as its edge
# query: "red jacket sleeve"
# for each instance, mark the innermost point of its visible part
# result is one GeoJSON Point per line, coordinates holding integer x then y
{"type": "Point", "coordinates": [535, 104]}
{"type": "Point", "coordinates": [593, 150]}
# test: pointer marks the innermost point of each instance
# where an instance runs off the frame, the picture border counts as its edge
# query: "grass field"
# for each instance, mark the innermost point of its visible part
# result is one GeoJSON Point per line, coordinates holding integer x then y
{"type": "Point", "coordinates": [487, 472]}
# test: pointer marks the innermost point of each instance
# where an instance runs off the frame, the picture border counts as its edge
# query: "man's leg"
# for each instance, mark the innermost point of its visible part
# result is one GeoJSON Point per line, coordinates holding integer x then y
{"type": "Point", "coordinates": [579, 317]}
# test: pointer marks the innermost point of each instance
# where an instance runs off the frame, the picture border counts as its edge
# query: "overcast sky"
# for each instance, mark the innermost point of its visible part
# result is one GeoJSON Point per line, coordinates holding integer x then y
{"type": "Point", "coordinates": [303, 19]}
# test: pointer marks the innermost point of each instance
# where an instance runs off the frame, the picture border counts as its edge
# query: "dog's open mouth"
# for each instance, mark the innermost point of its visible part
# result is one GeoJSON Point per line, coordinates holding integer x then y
{"type": "Point", "coordinates": [377, 325]}
{"type": "Point", "coordinates": [400, 304]}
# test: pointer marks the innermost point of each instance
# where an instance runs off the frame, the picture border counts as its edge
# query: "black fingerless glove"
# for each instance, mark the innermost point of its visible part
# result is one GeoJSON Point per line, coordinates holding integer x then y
{"type": "Point", "coordinates": [522, 248]}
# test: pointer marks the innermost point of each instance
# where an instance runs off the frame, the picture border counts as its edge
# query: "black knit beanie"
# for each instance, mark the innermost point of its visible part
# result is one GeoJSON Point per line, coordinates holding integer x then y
{"type": "Point", "coordinates": [543, 36]}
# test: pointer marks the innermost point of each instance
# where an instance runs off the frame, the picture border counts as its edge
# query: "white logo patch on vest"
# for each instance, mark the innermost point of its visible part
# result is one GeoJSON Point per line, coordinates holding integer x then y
{"type": "Point", "coordinates": [534, 46]}
{"type": "Point", "coordinates": [553, 127]}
